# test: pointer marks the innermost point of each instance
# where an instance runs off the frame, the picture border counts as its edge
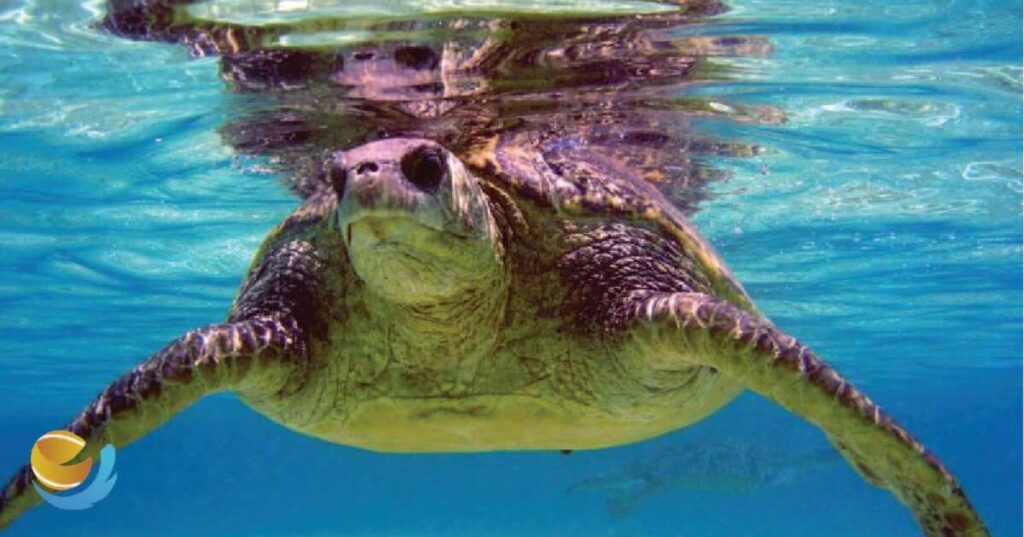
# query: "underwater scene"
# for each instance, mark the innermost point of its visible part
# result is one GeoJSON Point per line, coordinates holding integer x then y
{"type": "Point", "coordinates": [492, 211]}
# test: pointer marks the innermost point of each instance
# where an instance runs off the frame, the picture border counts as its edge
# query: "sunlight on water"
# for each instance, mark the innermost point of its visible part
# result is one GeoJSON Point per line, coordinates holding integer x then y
{"type": "Point", "coordinates": [858, 165]}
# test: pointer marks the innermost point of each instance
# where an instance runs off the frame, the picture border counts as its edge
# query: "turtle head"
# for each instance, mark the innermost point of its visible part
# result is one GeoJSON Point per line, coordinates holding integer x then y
{"type": "Point", "coordinates": [417, 226]}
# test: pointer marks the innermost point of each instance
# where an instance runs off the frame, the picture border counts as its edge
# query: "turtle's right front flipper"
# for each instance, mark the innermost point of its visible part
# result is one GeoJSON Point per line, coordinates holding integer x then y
{"type": "Point", "coordinates": [258, 351]}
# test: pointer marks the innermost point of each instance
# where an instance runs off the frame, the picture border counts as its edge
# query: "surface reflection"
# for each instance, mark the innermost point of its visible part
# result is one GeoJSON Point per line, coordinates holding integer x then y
{"type": "Point", "coordinates": [332, 79]}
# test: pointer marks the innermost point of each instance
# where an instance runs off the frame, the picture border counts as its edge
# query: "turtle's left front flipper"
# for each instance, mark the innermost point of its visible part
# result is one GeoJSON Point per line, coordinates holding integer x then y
{"type": "Point", "coordinates": [705, 330]}
{"type": "Point", "coordinates": [257, 351]}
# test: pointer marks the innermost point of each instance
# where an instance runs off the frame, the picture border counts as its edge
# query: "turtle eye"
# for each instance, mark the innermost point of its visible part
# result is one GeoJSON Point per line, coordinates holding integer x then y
{"type": "Point", "coordinates": [424, 167]}
{"type": "Point", "coordinates": [416, 57]}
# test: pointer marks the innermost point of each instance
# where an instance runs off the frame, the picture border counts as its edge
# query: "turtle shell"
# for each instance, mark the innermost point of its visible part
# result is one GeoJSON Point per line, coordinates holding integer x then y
{"type": "Point", "coordinates": [571, 178]}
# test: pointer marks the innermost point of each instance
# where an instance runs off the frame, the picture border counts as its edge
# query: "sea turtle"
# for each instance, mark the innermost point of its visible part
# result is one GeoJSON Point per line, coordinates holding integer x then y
{"type": "Point", "coordinates": [513, 293]}
{"type": "Point", "coordinates": [712, 465]}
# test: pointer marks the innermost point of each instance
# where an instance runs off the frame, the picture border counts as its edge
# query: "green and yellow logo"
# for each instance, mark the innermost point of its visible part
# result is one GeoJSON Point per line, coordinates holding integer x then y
{"type": "Point", "coordinates": [51, 463]}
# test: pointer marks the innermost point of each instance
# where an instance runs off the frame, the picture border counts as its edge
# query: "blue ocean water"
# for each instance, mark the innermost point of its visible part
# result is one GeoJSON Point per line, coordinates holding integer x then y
{"type": "Point", "coordinates": [881, 224]}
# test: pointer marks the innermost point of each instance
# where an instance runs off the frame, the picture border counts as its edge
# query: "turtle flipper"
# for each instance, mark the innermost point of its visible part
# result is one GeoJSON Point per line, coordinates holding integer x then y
{"type": "Point", "coordinates": [255, 352]}
{"type": "Point", "coordinates": [709, 331]}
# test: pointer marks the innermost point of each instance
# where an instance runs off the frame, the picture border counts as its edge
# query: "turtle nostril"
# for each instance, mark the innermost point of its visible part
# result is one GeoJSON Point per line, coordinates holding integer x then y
{"type": "Point", "coordinates": [424, 167]}
{"type": "Point", "coordinates": [366, 167]}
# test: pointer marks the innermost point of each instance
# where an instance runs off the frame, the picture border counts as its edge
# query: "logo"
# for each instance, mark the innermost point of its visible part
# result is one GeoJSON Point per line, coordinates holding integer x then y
{"type": "Point", "coordinates": [50, 457]}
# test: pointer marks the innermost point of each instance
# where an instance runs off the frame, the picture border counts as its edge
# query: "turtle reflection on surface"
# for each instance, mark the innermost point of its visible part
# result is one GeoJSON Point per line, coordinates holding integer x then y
{"type": "Point", "coordinates": [616, 83]}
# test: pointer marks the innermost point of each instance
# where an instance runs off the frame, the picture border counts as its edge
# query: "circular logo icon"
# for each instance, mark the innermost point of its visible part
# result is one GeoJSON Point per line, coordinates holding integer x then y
{"type": "Point", "coordinates": [49, 455]}
{"type": "Point", "coordinates": [51, 463]}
